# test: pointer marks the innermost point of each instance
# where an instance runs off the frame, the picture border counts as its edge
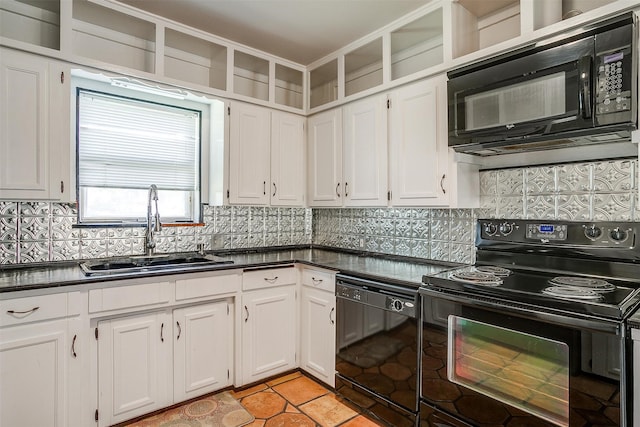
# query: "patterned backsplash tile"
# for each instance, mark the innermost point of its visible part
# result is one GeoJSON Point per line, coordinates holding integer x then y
{"type": "Point", "coordinates": [40, 232]}
{"type": "Point", "coordinates": [593, 191]}
{"type": "Point", "coordinates": [586, 191]}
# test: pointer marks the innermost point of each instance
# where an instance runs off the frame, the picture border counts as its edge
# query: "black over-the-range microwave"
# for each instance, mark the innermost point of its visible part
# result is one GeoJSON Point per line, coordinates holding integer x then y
{"type": "Point", "coordinates": [578, 89]}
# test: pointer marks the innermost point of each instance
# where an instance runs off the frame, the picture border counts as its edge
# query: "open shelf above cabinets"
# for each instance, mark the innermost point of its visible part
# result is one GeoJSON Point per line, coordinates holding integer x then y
{"type": "Point", "coordinates": [289, 86]}
{"type": "Point", "coordinates": [33, 23]}
{"type": "Point", "coordinates": [323, 84]}
{"type": "Point", "coordinates": [195, 60]}
{"type": "Point", "coordinates": [250, 76]}
{"type": "Point", "coordinates": [113, 37]}
{"type": "Point", "coordinates": [418, 45]}
{"type": "Point", "coordinates": [363, 68]}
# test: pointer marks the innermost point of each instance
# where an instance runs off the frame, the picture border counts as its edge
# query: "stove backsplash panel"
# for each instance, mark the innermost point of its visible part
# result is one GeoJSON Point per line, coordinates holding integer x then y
{"type": "Point", "coordinates": [595, 191]}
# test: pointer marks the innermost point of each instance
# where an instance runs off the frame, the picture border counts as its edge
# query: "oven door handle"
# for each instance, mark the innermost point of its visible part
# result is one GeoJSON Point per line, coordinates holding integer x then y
{"type": "Point", "coordinates": [521, 310]}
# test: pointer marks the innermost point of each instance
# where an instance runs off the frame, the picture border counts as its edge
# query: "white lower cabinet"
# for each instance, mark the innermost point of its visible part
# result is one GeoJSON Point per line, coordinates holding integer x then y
{"type": "Point", "coordinates": [149, 361]}
{"type": "Point", "coordinates": [39, 361]}
{"type": "Point", "coordinates": [318, 334]}
{"type": "Point", "coordinates": [268, 332]}
{"type": "Point", "coordinates": [33, 385]}
{"type": "Point", "coordinates": [318, 324]}
{"type": "Point", "coordinates": [202, 350]}
{"type": "Point", "coordinates": [134, 366]}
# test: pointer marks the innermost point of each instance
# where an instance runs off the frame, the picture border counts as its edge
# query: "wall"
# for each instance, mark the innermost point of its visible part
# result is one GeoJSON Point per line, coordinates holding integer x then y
{"type": "Point", "coordinates": [39, 232]}
{"type": "Point", "coordinates": [585, 191]}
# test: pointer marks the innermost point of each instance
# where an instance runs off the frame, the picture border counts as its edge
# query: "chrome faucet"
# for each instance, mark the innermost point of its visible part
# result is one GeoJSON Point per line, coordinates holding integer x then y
{"type": "Point", "coordinates": [153, 222]}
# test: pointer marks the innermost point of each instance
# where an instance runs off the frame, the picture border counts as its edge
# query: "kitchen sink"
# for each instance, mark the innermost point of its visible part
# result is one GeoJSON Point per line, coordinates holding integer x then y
{"type": "Point", "coordinates": [150, 263]}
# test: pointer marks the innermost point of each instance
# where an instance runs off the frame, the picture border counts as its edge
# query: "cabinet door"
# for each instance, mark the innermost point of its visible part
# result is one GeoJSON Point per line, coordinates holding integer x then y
{"type": "Point", "coordinates": [268, 332]}
{"type": "Point", "coordinates": [202, 349]}
{"type": "Point", "coordinates": [249, 154]}
{"type": "Point", "coordinates": [418, 144]}
{"type": "Point", "coordinates": [325, 159]}
{"type": "Point", "coordinates": [25, 140]}
{"type": "Point", "coordinates": [134, 366]}
{"type": "Point", "coordinates": [33, 374]}
{"type": "Point", "coordinates": [318, 334]}
{"type": "Point", "coordinates": [287, 160]}
{"type": "Point", "coordinates": [365, 152]}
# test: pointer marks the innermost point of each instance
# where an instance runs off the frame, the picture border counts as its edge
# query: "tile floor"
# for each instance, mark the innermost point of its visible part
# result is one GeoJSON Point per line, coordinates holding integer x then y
{"type": "Point", "coordinates": [297, 400]}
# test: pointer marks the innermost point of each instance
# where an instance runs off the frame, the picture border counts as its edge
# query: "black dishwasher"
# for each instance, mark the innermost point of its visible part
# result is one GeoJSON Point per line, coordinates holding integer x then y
{"type": "Point", "coordinates": [377, 348]}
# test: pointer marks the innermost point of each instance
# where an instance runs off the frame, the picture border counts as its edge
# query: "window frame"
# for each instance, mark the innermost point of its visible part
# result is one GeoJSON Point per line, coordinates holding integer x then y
{"type": "Point", "coordinates": [101, 85]}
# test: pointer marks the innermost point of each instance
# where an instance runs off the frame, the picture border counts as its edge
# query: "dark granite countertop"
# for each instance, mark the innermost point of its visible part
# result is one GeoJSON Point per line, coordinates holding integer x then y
{"type": "Point", "coordinates": [403, 271]}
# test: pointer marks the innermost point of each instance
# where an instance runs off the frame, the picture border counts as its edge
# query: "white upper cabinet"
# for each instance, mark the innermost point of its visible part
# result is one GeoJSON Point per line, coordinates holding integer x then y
{"type": "Point", "coordinates": [34, 128]}
{"type": "Point", "coordinates": [287, 187]}
{"type": "Point", "coordinates": [423, 170]}
{"type": "Point", "coordinates": [266, 157]}
{"type": "Point", "coordinates": [249, 154]}
{"type": "Point", "coordinates": [365, 152]}
{"type": "Point", "coordinates": [325, 159]}
{"type": "Point", "coordinates": [418, 144]}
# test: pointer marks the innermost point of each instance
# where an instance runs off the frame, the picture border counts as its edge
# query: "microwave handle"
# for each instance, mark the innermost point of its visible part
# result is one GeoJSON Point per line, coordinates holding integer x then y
{"type": "Point", "coordinates": [584, 73]}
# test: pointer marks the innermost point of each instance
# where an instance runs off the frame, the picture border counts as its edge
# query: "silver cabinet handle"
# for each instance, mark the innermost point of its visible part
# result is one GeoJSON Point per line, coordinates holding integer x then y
{"type": "Point", "coordinates": [442, 184]}
{"type": "Point", "coordinates": [330, 313]}
{"type": "Point", "coordinates": [162, 332]}
{"type": "Point", "coordinates": [337, 187]}
{"type": "Point", "coordinates": [179, 330]}
{"type": "Point", "coordinates": [23, 312]}
{"type": "Point", "coordinates": [73, 346]}
{"type": "Point", "coordinates": [272, 280]}
{"type": "Point", "coordinates": [247, 311]}
{"type": "Point", "coordinates": [316, 281]}
{"type": "Point", "coordinates": [275, 189]}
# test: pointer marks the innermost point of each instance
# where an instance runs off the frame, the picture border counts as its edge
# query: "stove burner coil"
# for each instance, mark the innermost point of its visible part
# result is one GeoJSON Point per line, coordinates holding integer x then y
{"type": "Point", "coordinates": [475, 277]}
{"type": "Point", "coordinates": [492, 269]}
{"type": "Point", "coordinates": [589, 283]}
{"type": "Point", "coordinates": [572, 292]}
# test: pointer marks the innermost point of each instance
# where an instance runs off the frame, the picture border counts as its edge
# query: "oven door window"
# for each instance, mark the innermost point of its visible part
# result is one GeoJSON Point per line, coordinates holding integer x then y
{"type": "Point", "coordinates": [523, 370]}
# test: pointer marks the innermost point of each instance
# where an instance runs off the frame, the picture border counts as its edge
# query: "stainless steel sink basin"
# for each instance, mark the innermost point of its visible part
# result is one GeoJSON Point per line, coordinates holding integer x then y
{"type": "Point", "coordinates": [150, 263]}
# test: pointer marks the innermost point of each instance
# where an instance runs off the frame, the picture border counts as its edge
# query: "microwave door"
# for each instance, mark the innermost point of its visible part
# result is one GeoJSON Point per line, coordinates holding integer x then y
{"type": "Point", "coordinates": [556, 100]}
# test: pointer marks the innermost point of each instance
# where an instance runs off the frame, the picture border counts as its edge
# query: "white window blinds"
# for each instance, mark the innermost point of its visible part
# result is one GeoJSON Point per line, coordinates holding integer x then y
{"type": "Point", "coordinates": [127, 143]}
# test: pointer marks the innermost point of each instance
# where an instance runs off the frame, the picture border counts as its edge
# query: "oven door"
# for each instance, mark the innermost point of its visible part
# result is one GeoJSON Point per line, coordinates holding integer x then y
{"type": "Point", "coordinates": [488, 363]}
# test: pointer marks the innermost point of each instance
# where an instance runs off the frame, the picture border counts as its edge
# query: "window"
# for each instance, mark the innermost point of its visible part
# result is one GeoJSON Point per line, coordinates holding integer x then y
{"type": "Point", "coordinates": [124, 146]}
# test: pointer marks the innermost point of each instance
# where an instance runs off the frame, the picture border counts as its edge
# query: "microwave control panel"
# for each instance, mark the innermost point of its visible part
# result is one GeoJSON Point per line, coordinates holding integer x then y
{"type": "Point", "coordinates": [614, 70]}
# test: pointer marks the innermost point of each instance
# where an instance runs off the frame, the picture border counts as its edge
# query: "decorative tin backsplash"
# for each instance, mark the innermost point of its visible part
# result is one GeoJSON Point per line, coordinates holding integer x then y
{"type": "Point", "coordinates": [596, 191]}
{"type": "Point", "coordinates": [593, 191]}
{"type": "Point", "coordinates": [40, 232]}
{"type": "Point", "coordinates": [438, 234]}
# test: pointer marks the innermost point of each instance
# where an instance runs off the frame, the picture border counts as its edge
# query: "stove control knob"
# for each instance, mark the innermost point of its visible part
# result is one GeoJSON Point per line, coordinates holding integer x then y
{"type": "Point", "coordinates": [490, 229]}
{"type": "Point", "coordinates": [396, 305]}
{"type": "Point", "coordinates": [506, 228]}
{"type": "Point", "coordinates": [618, 235]}
{"type": "Point", "coordinates": [593, 232]}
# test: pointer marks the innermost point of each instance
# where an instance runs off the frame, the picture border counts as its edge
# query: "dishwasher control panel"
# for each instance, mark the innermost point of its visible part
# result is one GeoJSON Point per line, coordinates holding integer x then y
{"type": "Point", "coordinates": [378, 298]}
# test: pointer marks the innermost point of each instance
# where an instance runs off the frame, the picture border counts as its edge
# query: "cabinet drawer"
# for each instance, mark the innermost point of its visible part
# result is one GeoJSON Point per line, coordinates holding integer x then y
{"type": "Point", "coordinates": [270, 277]}
{"type": "Point", "coordinates": [196, 287]}
{"type": "Point", "coordinates": [127, 296]}
{"type": "Point", "coordinates": [318, 279]}
{"type": "Point", "coordinates": [32, 309]}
